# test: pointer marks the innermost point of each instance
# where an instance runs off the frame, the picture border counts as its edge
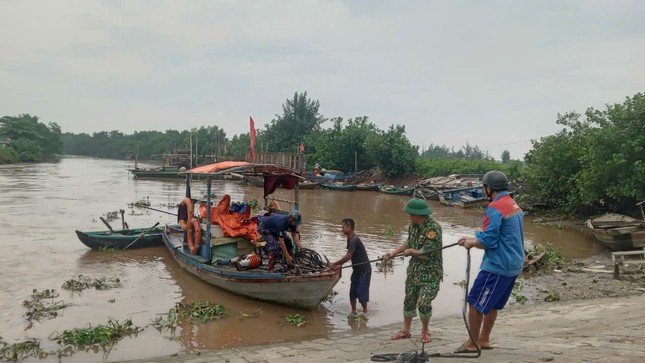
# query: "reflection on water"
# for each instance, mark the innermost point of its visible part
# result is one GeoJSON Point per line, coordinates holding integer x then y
{"type": "Point", "coordinates": [44, 203]}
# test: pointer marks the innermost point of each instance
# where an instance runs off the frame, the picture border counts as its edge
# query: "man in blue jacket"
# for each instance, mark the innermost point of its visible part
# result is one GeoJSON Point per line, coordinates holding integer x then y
{"type": "Point", "coordinates": [502, 239]}
{"type": "Point", "coordinates": [273, 229]}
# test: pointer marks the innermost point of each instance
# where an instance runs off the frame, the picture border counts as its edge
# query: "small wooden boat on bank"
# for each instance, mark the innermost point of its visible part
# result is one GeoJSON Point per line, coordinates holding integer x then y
{"type": "Point", "coordinates": [120, 239]}
{"type": "Point", "coordinates": [368, 187]}
{"type": "Point", "coordinates": [390, 189]}
{"type": "Point", "coordinates": [302, 287]}
{"type": "Point", "coordinates": [258, 181]}
{"type": "Point", "coordinates": [463, 197]}
{"type": "Point", "coordinates": [616, 231]}
{"type": "Point", "coordinates": [341, 187]}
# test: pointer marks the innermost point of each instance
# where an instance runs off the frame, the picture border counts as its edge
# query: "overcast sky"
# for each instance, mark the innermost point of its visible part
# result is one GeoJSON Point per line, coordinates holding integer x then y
{"type": "Point", "coordinates": [491, 73]}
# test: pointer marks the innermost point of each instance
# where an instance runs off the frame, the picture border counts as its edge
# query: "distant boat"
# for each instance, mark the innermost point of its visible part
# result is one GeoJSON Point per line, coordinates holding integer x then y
{"type": "Point", "coordinates": [368, 186]}
{"type": "Point", "coordinates": [390, 189]}
{"type": "Point", "coordinates": [617, 231]}
{"type": "Point", "coordinates": [120, 239]}
{"type": "Point", "coordinates": [258, 181]}
{"type": "Point", "coordinates": [342, 187]}
{"type": "Point", "coordinates": [463, 197]}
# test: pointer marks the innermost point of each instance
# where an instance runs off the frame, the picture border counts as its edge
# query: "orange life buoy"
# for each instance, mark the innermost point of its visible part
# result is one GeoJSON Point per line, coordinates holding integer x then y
{"type": "Point", "coordinates": [193, 240]}
{"type": "Point", "coordinates": [190, 209]}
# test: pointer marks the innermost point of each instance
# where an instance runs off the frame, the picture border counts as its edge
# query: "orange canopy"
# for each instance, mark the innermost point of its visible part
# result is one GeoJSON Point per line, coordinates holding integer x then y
{"type": "Point", "coordinates": [212, 168]}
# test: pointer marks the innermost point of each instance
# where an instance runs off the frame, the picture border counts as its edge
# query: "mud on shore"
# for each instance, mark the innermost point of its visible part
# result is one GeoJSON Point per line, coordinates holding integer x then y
{"type": "Point", "coordinates": [586, 278]}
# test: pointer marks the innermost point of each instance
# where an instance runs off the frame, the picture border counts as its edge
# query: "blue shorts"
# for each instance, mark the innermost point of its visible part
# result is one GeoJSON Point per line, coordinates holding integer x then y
{"type": "Point", "coordinates": [490, 291]}
{"type": "Point", "coordinates": [360, 286]}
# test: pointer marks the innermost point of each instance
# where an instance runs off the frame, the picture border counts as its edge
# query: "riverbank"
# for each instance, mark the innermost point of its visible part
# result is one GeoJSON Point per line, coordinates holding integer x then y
{"type": "Point", "coordinates": [595, 318]}
{"type": "Point", "coordinates": [596, 330]}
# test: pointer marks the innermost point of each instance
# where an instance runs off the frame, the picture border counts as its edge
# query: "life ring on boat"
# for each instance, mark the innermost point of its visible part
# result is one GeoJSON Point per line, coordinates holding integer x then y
{"type": "Point", "coordinates": [190, 212]}
{"type": "Point", "coordinates": [193, 239]}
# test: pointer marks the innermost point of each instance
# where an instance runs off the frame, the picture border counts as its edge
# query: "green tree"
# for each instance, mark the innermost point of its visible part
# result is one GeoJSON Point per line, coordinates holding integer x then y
{"type": "Point", "coordinates": [506, 156]}
{"type": "Point", "coordinates": [392, 151]}
{"type": "Point", "coordinates": [343, 145]}
{"type": "Point", "coordinates": [300, 117]}
{"type": "Point", "coordinates": [32, 140]}
{"type": "Point", "coordinates": [596, 161]}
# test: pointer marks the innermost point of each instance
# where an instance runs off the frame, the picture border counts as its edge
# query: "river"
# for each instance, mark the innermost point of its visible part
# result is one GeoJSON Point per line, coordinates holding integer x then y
{"type": "Point", "coordinates": [43, 204]}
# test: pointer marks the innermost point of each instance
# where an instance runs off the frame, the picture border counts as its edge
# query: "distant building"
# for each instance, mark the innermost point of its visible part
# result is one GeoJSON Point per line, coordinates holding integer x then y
{"type": "Point", "coordinates": [4, 143]}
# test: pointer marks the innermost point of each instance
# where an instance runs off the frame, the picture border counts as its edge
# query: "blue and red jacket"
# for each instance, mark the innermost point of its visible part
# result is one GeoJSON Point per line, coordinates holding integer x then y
{"type": "Point", "coordinates": [502, 235]}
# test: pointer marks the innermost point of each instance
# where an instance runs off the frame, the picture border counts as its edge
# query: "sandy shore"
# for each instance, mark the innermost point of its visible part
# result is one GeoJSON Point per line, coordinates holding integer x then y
{"type": "Point", "coordinates": [594, 330]}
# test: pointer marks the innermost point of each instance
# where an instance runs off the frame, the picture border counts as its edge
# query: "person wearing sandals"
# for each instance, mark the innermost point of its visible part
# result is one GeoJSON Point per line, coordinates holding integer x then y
{"type": "Point", "coordinates": [502, 239]}
{"type": "Point", "coordinates": [425, 271]}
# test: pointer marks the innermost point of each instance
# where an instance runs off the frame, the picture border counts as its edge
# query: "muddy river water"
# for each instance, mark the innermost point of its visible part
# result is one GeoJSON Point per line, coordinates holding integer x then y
{"type": "Point", "coordinates": [43, 204]}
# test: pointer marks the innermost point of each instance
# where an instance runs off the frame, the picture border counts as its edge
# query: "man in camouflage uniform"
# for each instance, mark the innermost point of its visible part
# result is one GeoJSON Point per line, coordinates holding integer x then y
{"type": "Point", "coordinates": [425, 270]}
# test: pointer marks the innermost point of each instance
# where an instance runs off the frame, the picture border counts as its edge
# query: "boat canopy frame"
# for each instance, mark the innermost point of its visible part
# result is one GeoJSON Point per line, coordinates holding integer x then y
{"type": "Point", "coordinates": [268, 171]}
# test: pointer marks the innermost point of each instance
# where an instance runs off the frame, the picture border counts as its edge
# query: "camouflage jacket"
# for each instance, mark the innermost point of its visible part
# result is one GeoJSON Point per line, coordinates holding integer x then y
{"type": "Point", "coordinates": [426, 237]}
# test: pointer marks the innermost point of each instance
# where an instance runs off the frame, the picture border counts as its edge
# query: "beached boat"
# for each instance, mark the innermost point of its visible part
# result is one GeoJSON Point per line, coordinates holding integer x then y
{"type": "Point", "coordinates": [258, 181]}
{"type": "Point", "coordinates": [120, 239]}
{"type": "Point", "coordinates": [616, 231]}
{"type": "Point", "coordinates": [342, 187]}
{"type": "Point", "coordinates": [302, 287]}
{"type": "Point", "coordinates": [390, 189]}
{"type": "Point", "coordinates": [463, 197]}
{"type": "Point", "coordinates": [368, 186]}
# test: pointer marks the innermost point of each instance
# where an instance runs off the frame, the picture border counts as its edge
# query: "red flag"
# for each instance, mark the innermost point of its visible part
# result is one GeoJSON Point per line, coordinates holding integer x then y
{"type": "Point", "coordinates": [252, 136]}
{"type": "Point", "coordinates": [301, 148]}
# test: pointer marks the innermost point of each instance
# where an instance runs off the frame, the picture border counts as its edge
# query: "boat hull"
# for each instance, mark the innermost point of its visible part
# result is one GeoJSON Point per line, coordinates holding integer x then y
{"type": "Point", "coordinates": [616, 231]}
{"type": "Point", "coordinates": [344, 188]}
{"type": "Point", "coordinates": [305, 291]}
{"type": "Point", "coordinates": [120, 239]}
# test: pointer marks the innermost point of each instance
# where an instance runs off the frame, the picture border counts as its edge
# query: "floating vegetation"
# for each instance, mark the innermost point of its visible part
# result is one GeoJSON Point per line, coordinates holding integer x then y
{"type": "Point", "coordinates": [461, 284]}
{"type": "Point", "coordinates": [27, 348]}
{"type": "Point", "coordinates": [201, 310]}
{"type": "Point", "coordinates": [38, 308]}
{"type": "Point", "coordinates": [552, 256]}
{"type": "Point", "coordinates": [357, 319]}
{"type": "Point", "coordinates": [85, 282]}
{"type": "Point", "coordinates": [517, 287]}
{"type": "Point", "coordinates": [330, 297]}
{"type": "Point", "coordinates": [389, 231]}
{"type": "Point", "coordinates": [296, 319]}
{"type": "Point", "coordinates": [552, 296]}
{"type": "Point", "coordinates": [110, 216]}
{"type": "Point", "coordinates": [385, 266]}
{"type": "Point", "coordinates": [144, 202]}
{"type": "Point", "coordinates": [171, 321]}
{"type": "Point", "coordinates": [104, 336]}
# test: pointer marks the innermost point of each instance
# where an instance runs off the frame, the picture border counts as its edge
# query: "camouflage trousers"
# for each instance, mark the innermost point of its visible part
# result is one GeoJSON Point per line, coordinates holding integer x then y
{"type": "Point", "coordinates": [420, 297]}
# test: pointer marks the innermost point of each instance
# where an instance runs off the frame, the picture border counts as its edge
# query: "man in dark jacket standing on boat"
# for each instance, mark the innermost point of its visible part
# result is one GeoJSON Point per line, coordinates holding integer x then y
{"type": "Point", "coordinates": [502, 239]}
{"type": "Point", "coordinates": [274, 228]}
{"type": "Point", "coordinates": [361, 269]}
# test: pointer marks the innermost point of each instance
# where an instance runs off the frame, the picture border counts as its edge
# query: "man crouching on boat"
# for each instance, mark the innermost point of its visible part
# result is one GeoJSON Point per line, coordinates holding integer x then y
{"type": "Point", "coordinates": [273, 229]}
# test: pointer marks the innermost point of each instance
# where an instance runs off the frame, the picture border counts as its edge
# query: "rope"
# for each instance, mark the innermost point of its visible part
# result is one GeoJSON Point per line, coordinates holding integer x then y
{"type": "Point", "coordinates": [416, 357]}
{"type": "Point", "coordinates": [400, 254]}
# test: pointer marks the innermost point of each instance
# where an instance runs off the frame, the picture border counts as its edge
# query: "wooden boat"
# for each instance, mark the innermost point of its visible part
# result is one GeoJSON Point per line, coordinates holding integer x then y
{"type": "Point", "coordinates": [342, 187]}
{"type": "Point", "coordinates": [119, 239]}
{"type": "Point", "coordinates": [390, 189]}
{"type": "Point", "coordinates": [258, 181]}
{"type": "Point", "coordinates": [303, 287]}
{"type": "Point", "coordinates": [368, 186]}
{"type": "Point", "coordinates": [463, 197]}
{"type": "Point", "coordinates": [615, 231]}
